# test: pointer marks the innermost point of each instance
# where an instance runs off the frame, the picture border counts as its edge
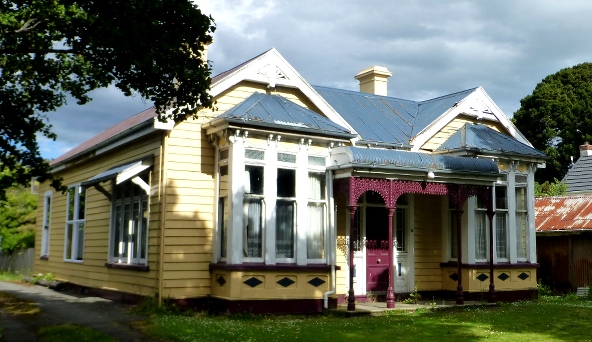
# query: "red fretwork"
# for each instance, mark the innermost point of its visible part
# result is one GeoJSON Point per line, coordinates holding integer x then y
{"type": "Point", "coordinates": [390, 190]}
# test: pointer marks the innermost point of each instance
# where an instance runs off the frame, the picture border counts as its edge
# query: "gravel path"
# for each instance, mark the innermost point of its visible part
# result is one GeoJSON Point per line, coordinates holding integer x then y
{"type": "Point", "coordinates": [66, 308]}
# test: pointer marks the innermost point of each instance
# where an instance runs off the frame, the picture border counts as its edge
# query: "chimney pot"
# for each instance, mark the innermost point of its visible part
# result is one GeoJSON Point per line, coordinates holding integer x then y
{"type": "Point", "coordinates": [373, 80]}
{"type": "Point", "coordinates": [585, 150]}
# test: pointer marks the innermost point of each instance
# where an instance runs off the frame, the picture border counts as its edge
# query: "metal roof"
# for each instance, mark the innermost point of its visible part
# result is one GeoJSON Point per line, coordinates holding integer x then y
{"type": "Point", "coordinates": [578, 177]}
{"type": "Point", "coordinates": [483, 138]}
{"type": "Point", "coordinates": [416, 160]}
{"type": "Point", "coordinates": [278, 112]}
{"type": "Point", "coordinates": [563, 213]}
{"type": "Point", "coordinates": [387, 119]}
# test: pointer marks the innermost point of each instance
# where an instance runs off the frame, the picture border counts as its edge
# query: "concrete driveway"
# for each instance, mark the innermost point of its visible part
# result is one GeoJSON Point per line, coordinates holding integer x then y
{"type": "Point", "coordinates": [66, 308]}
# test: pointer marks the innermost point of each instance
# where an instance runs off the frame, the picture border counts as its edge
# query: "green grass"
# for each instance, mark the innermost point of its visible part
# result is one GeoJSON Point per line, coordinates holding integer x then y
{"type": "Point", "coordinates": [11, 277]}
{"type": "Point", "coordinates": [548, 319]}
{"type": "Point", "coordinates": [73, 333]}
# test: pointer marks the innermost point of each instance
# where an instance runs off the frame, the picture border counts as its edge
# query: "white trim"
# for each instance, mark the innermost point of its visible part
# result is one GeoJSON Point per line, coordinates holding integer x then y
{"type": "Point", "coordinates": [46, 228]}
{"type": "Point", "coordinates": [477, 104]}
{"type": "Point", "coordinates": [75, 222]}
{"type": "Point", "coordinates": [251, 71]}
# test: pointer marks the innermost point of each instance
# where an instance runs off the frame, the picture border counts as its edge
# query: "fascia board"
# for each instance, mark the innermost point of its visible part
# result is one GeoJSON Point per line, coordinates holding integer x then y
{"type": "Point", "coordinates": [466, 107]}
{"type": "Point", "coordinates": [250, 71]}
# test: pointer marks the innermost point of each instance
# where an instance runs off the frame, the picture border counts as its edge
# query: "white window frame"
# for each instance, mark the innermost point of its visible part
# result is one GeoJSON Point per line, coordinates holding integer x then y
{"type": "Point", "coordinates": [143, 202]}
{"type": "Point", "coordinates": [46, 228]}
{"type": "Point", "coordinates": [521, 212]}
{"type": "Point", "coordinates": [323, 204]}
{"type": "Point", "coordinates": [77, 244]}
{"type": "Point", "coordinates": [481, 211]}
{"type": "Point", "coordinates": [498, 215]}
{"type": "Point", "coordinates": [247, 197]}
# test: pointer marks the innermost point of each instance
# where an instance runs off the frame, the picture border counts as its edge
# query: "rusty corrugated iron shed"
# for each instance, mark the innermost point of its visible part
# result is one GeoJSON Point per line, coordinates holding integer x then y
{"type": "Point", "coordinates": [563, 213]}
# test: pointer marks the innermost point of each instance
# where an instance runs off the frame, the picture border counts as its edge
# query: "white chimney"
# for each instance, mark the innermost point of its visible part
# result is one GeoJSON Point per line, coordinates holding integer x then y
{"type": "Point", "coordinates": [585, 150]}
{"type": "Point", "coordinates": [374, 80]}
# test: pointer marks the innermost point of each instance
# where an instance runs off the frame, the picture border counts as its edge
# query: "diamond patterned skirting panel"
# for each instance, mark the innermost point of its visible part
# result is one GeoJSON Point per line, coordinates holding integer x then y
{"type": "Point", "coordinates": [285, 282]}
{"type": "Point", "coordinates": [523, 276]}
{"type": "Point", "coordinates": [453, 276]}
{"type": "Point", "coordinates": [253, 282]}
{"type": "Point", "coordinates": [316, 282]}
{"type": "Point", "coordinates": [503, 276]}
{"type": "Point", "coordinates": [482, 277]}
{"type": "Point", "coordinates": [221, 281]}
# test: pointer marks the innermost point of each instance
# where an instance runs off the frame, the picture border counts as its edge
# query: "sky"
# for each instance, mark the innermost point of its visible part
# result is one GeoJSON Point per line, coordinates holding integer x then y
{"type": "Point", "coordinates": [433, 48]}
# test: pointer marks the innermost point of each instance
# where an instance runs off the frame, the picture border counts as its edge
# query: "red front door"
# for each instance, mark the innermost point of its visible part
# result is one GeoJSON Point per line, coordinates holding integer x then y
{"type": "Point", "coordinates": [376, 249]}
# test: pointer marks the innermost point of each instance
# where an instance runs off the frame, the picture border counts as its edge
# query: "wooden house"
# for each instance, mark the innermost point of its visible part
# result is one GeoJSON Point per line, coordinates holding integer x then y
{"type": "Point", "coordinates": [289, 197]}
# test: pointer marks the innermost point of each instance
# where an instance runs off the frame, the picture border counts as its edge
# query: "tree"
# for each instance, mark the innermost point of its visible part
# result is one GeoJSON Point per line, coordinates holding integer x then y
{"type": "Point", "coordinates": [557, 117]}
{"type": "Point", "coordinates": [17, 219]}
{"type": "Point", "coordinates": [555, 188]}
{"type": "Point", "coordinates": [53, 48]}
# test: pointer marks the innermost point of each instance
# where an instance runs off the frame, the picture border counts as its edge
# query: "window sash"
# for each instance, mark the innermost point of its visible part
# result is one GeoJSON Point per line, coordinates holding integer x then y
{"type": "Point", "coordinates": [75, 223]}
{"type": "Point", "coordinates": [501, 235]}
{"type": "Point", "coordinates": [400, 233]}
{"type": "Point", "coordinates": [315, 237]}
{"type": "Point", "coordinates": [46, 225]}
{"type": "Point", "coordinates": [481, 243]}
{"type": "Point", "coordinates": [253, 228]}
{"type": "Point", "coordinates": [285, 224]}
{"type": "Point", "coordinates": [129, 227]}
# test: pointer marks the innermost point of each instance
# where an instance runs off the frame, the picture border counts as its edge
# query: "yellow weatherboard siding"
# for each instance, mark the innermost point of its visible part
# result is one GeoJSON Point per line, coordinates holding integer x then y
{"type": "Point", "coordinates": [452, 127]}
{"type": "Point", "coordinates": [427, 244]}
{"type": "Point", "coordinates": [91, 271]}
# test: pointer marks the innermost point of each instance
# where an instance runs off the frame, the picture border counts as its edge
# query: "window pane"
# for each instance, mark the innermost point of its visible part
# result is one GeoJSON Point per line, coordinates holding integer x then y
{"type": "Point", "coordinates": [286, 157]}
{"type": "Point", "coordinates": [69, 236]}
{"type": "Point", "coordinates": [402, 200]}
{"type": "Point", "coordinates": [315, 239]}
{"type": "Point", "coordinates": [316, 186]}
{"type": "Point", "coordinates": [453, 247]}
{"type": "Point", "coordinates": [286, 183]}
{"type": "Point", "coordinates": [254, 180]}
{"type": "Point", "coordinates": [481, 222]}
{"type": "Point", "coordinates": [318, 161]}
{"type": "Point", "coordinates": [71, 198]}
{"type": "Point", "coordinates": [501, 198]}
{"type": "Point", "coordinates": [521, 224]}
{"type": "Point", "coordinates": [252, 229]}
{"type": "Point", "coordinates": [127, 222]}
{"type": "Point", "coordinates": [117, 231]}
{"type": "Point", "coordinates": [144, 233]}
{"type": "Point", "coordinates": [254, 154]}
{"type": "Point", "coordinates": [501, 235]}
{"type": "Point", "coordinates": [80, 241]}
{"type": "Point", "coordinates": [222, 224]}
{"type": "Point", "coordinates": [134, 229]}
{"type": "Point", "coordinates": [521, 198]}
{"type": "Point", "coordinates": [284, 229]}
{"type": "Point", "coordinates": [400, 235]}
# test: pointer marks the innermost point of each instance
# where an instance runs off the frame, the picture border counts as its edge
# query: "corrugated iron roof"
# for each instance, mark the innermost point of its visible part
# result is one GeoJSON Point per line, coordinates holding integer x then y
{"type": "Point", "coordinates": [483, 138]}
{"type": "Point", "coordinates": [274, 110]}
{"type": "Point", "coordinates": [107, 134]}
{"type": "Point", "coordinates": [563, 213]}
{"type": "Point", "coordinates": [418, 160]}
{"type": "Point", "coordinates": [578, 177]}
{"type": "Point", "coordinates": [388, 119]}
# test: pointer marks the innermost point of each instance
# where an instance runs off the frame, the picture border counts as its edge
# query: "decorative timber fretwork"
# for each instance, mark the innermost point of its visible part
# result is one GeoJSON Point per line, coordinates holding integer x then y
{"type": "Point", "coordinates": [390, 190]}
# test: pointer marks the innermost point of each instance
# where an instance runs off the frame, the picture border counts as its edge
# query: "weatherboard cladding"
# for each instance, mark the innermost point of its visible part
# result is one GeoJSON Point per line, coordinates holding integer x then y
{"type": "Point", "coordinates": [578, 177]}
{"type": "Point", "coordinates": [563, 213]}
{"type": "Point", "coordinates": [430, 110]}
{"type": "Point", "coordinates": [397, 158]}
{"type": "Point", "coordinates": [263, 109]}
{"type": "Point", "coordinates": [483, 138]}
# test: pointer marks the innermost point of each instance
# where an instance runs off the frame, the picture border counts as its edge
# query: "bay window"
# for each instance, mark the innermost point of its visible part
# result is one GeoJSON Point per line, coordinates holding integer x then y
{"type": "Point", "coordinates": [521, 216]}
{"type": "Point", "coordinates": [129, 229]}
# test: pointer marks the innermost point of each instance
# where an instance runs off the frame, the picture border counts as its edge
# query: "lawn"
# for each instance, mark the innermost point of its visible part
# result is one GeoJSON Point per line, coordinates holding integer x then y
{"type": "Point", "coordinates": [547, 319]}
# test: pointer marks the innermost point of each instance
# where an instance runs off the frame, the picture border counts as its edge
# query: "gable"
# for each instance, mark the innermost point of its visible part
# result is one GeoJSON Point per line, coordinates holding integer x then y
{"type": "Point", "coordinates": [452, 127]}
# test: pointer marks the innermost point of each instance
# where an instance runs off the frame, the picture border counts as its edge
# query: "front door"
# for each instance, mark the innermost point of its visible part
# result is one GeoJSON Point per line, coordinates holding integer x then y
{"type": "Point", "coordinates": [376, 249]}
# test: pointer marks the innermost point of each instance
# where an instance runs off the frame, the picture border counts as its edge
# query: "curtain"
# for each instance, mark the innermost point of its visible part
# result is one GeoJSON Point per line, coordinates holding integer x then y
{"type": "Point", "coordinates": [521, 234]}
{"type": "Point", "coordinates": [316, 188]}
{"type": "Point", "coordinates": [284, 229]}
{"type": "Point", "coordinates": [481, 221]}
{"type": "Point", "coordinates": [501, 235]}
{"type": "Point", "coordinates": [252, 230]}
{"type": "Point", "coordinates": [315, 237]}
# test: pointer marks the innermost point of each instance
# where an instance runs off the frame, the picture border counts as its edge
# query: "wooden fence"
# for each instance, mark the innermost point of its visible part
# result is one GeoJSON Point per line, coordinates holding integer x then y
{"type": "Point", "coordinates": [19, 261]}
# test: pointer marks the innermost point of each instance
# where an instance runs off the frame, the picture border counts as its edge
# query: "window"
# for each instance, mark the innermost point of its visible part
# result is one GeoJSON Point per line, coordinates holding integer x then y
{"type": "Point", "coordinates": [521, 217]}
{"type": "Point", "coordinates": [75, 221]}
{"type": "Point", "coordinates": [315, 239]}
{"type": "Point", "coordinates": [46, 224]}
{"type": "Point", "coordinates": [129, 230]}
{"type": "Point", "coordinates": [501, 222]}
{"type": "Point", "coordinates": [252, 212]}
{"type": "Point", "coordinates": [223, 224]}
{"type": "Point", "coordinates": [285, 213]}
{"type": "Point", "coordinates": [400, 224]}
{"type": "Point", "coordinates": [481, 224]}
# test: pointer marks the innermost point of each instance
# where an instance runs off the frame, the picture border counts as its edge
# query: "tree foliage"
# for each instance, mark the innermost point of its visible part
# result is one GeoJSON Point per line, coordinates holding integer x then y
{"type": "Point", "coordinates": [53, 48]}
{"type": "Point", "coordinates": [17, 219]}
{"type": "Point", "coordinates": [555, 188]}
{"type": "Point", "coordinates": [557, 117]}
